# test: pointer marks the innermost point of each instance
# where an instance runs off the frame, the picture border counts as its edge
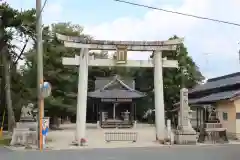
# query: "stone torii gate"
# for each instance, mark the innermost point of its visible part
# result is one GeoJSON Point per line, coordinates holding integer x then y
{"type": "Point", "coordinates": [83, 61]}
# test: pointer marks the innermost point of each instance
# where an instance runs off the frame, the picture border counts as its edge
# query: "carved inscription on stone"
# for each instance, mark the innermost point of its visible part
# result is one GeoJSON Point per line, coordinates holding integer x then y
{"type": "Point", "coordinates": [184, 108]}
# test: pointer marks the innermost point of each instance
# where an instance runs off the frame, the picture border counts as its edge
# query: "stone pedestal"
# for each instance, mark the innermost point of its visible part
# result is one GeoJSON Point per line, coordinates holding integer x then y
{"type": "Point", "coordinates": [186, 135]}
{"type": "Point", "coordinates": [27, 119]}
{"type": "Point", "coordinates": [25, 132]}
{"type": "Point", "coordinates": [30, 125]}
{"type": "Point", "coordinates": [27, 122]}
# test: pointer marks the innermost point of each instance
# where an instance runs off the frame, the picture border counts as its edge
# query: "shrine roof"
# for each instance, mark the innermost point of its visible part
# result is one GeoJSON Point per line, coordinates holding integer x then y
{"type": "Point", "coordinates": [116, 93]}
{"type": "Point", "coordinates": [214, 97]}
{"type": "Point", "coordinates": [100, 82]}
{"type": "Point", "coordinates": [218, 82]}
{"type": "Point", "coordinates": [116, 88]}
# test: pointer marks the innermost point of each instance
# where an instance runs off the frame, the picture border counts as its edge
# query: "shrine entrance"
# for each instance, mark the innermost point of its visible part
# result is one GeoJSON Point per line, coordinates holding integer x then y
{"type": "Point", "coordinates": [122, 47]}
{"type": "Point", "coordinates": [116, 115]}
{"type": "Point", "coordinates": [114, 111]}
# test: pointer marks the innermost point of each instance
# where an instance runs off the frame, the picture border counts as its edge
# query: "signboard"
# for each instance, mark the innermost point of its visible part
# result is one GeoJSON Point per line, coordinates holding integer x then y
{"type": "Point", "coordinates": [115, 100]}
{"type": "Point", "coordinates": [45, 130]}
{"type": "Point", "coordinates": [121, 55]}
{"type": "Point", "coordinates": [45, 126]}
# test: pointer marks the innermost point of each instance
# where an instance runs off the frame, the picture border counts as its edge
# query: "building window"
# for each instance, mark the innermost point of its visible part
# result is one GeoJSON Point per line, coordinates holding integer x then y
{"type": "Point", "coordinates": [238, 115]}
{"type": "Point", "coordinates": [225, 116]}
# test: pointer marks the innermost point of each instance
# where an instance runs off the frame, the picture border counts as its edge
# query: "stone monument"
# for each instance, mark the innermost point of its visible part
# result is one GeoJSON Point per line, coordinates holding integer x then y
{"type": "Point", "coordinates": [25, 132]}
{"type": "Point", "coordinates": [27, 113]}
{"type": "Point", "coordinates": [185, 133]}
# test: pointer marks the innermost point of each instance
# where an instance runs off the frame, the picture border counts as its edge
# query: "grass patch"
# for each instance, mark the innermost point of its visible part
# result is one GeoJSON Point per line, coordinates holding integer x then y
{"type": "Point", "coordinates": [48, 140]}
{"type": "Point", "coordinates": [5, 141]}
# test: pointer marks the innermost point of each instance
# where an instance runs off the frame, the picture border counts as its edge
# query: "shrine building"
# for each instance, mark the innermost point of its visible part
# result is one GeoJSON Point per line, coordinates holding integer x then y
{"type": "Point", "coordinates": [114, 102]}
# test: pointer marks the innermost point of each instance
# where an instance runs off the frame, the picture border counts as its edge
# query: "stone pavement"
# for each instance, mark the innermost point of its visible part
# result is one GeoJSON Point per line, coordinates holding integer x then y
{"type": "Point", "coordinates": [62, 139]}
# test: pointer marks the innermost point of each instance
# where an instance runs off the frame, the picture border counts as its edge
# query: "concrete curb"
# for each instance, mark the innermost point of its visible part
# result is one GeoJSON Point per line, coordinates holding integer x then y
{"type": "Point", "coordinates": [24, 149]}
{"type": "Point", "coordinates": [120, 147]}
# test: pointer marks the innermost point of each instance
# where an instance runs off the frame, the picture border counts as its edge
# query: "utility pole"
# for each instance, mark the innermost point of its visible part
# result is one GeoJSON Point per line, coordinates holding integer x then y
{"type": "Point", "coordinates": [39, 71]}
{"type": "Point", "coordinates": [2, 83]}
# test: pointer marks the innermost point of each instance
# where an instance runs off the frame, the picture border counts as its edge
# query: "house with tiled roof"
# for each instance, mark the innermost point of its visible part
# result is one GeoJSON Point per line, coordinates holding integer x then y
{"type": "Point", "coordinates": [221, 93]}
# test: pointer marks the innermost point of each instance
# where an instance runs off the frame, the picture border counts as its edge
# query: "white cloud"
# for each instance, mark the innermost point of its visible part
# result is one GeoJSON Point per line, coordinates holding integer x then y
{"type": "Point", "coordinates": [152, 25]}
{"type": "Point", "coordinates": [53, 12]}
{"type": "Point", "coordinates": [200, 36]}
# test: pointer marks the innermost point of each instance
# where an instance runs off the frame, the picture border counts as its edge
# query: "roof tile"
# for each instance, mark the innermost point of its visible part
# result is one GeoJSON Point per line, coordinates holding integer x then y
{"type": "Point", "coordinates": [217, 83]}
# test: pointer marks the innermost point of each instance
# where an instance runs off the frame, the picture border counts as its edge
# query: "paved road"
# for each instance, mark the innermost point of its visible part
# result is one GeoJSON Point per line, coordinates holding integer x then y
{"type": "Point", "coordinates": [231, 152]}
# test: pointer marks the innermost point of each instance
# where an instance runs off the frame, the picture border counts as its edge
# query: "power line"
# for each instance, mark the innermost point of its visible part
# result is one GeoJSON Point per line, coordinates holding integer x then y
{"type": "Point", "coordinates": [44, 5]}
{"type": "Point", "coordinates": [179, 13]}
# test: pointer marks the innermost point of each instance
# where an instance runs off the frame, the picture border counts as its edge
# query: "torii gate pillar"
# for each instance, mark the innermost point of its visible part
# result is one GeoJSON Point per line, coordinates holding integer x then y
{"type": "Point", "coordinates": [158, 96]}
{"type": "Point", "coordinates": [82, 97]}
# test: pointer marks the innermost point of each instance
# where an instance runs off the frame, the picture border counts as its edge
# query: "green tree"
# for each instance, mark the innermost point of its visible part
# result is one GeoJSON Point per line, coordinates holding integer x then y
{"type": "Point", "coordinates": [187, 75]}
{"type": "Point", "coordinates": [13, 24]}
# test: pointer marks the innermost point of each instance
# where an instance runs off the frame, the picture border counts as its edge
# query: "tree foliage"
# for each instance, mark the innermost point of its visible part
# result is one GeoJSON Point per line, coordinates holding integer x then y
{"type": "Point", "coordinates": [15, 26]}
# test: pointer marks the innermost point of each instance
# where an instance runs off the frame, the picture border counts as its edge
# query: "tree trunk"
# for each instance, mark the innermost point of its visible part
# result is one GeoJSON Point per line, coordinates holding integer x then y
{"type": "Point", "coordinates": [11, 117]}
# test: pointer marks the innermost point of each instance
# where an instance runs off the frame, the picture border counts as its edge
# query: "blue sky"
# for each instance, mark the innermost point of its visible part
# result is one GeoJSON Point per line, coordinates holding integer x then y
{"type": "Point", "coordinates": [213, 46]}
